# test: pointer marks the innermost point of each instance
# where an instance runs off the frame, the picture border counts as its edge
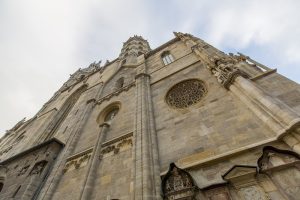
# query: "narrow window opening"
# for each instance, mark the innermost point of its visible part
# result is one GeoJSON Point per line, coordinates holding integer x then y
{"type": "Point", "coordinates": [1, 186]}
{"type": "Point", "coordinates": [16, 192]}
{"type": "Point", "coordinates": [167, 58]}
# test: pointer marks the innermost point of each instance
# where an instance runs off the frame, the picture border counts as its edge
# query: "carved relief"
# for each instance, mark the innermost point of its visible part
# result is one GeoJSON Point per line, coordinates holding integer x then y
{"type": "Point", "coordinates": [38, 168]}
{"type": "Point", "coordinates": [178, 184]}
{"type": "Point", "coordinates": [77, 161]}
{"type": "Point", "coordinates": [225, 71]}
{"type": "Point", "coordinates": [186, 93]}
{"type": "Point", "coordinates": [23, 170]}
{"type": "Point", "coordinates": [117, 146]}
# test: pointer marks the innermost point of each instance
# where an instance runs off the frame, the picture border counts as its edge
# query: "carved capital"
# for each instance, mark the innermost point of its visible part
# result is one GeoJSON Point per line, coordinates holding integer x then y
{"type": "Point", "coordinates": [104, 124]}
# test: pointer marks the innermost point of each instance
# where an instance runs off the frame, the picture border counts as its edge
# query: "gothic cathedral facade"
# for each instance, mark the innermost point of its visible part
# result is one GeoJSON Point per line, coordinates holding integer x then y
{"type": "Point", "coordinates": [182, 121]}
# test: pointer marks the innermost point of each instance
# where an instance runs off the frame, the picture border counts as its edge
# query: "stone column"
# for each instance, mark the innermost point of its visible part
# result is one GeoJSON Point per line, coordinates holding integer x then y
{"type": "Point", "coordinates": [57, 172]}
{"type": "Point", "coordinates": [145, 175]}
{"type": "Point", "coordinates": [276, 114]}
{"type": "Point", "coordinates": [93, 164]}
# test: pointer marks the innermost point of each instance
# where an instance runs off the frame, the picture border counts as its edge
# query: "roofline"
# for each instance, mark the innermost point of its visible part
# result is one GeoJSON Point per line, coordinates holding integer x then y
{"type": "Point", "coordinates": [53, 140]}
{"type": "Point", "coordinates": [150, 53]}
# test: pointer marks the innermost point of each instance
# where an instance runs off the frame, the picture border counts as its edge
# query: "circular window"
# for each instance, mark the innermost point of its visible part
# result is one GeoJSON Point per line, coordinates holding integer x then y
{"type": "Point", "coordinates": [186, 93]}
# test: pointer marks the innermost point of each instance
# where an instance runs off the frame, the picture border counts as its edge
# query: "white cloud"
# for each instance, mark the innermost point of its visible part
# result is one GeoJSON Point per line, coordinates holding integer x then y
{"type": "Point", "coordinates": [44, 41]}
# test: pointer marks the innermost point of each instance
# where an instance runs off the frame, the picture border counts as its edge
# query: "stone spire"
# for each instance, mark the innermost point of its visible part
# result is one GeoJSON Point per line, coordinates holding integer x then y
{"type": "Point", "coordinates": [132, 48]}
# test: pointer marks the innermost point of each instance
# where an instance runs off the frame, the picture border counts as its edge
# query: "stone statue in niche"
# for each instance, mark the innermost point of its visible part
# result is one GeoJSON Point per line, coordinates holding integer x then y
{"type": "Point", "coordinates": [38, 168]}
{"type": "Point", "coordinates": [178, 184]}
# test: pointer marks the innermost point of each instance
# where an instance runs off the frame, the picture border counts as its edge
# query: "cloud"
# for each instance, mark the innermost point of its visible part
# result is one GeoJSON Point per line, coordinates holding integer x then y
{"type": "Point", "coordinates": [42, 42]}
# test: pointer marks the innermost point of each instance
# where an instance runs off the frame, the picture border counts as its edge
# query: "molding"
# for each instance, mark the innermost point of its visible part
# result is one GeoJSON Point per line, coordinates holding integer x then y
{"type": "Point", "coordinates": [142, 75]}
{"type": "Point", "coordinates": [163, 65]}
{"type": "Point", "coordinates": [79, 154]}
{"type": "Point", "coordinates": [175, 72]}
{"type": "Point", "coordinates": [78, 160]}
{"type": "Point", "coordinates": [239, 150]}
{"type": "Point", "coordinates": [264, 74]}
{"type": "Point", "coordinates": [116, 93]}
{"type": "Point", "coordinates": [53, 109]}
{"type": "Point", "coordinates": [117, 144]}
{"type": "Point", "coordinates": [117, 139]}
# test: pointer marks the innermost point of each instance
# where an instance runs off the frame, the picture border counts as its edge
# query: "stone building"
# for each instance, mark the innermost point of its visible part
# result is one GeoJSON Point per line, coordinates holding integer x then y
{"type": "Point", "coordinates": [182, 121]}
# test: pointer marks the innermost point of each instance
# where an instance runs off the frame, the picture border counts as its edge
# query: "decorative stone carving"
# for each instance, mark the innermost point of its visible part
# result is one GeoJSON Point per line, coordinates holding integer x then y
{"type": "Point", "coordinates": [77, 161]}
{"type": "Point", "coordinates": [115, 147]}
{"type": "Point", "coordinates": [273, 158]}
{"type": "Point", "coordinates": [186, 93]}
{"type": "Point", "coordinates": [225, 71]}
{"type": "Point", "coordinates": [23, 170]}
{"type": "Point", "coordinates": [178, 184]}
{"type": "Point", "coordinates": [38, 168]}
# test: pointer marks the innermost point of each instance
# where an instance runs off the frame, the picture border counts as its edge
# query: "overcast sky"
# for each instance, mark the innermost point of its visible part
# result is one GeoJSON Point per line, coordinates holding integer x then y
{"type": "Point", "coordinates": [43, 41]}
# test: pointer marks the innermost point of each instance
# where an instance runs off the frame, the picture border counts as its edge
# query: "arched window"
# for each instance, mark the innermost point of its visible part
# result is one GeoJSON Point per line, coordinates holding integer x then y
{"type": "Point", "coordinates": [167, 57]}
{"type": "Point", "coordinates": [111, 114]}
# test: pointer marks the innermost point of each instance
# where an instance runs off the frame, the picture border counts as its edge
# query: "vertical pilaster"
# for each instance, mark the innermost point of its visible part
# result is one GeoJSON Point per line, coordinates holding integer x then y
{"type": "Point", "coordinates": [93, 164]}
{"type": "Point", "coordinates": [52, 183]}
{"type": "Point", "coordinates": [145, 156]}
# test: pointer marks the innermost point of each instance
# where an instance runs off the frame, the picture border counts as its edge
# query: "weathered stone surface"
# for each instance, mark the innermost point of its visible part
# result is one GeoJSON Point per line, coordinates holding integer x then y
{"type": "Point", "coordinates": [238, 137]}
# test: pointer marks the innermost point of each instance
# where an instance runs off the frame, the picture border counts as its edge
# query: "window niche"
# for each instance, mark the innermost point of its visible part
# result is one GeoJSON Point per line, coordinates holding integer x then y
{"type": "Point", "coordinates": [108, 114]}
{"type": "Point", "coordinates": [119, 83]}
{"type": "Point", "coordinates": [167, 57]}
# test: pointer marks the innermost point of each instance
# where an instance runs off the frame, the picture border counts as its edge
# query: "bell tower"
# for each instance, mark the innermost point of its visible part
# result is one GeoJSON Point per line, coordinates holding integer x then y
{"type": "Point", "coordinates": [132, 48]}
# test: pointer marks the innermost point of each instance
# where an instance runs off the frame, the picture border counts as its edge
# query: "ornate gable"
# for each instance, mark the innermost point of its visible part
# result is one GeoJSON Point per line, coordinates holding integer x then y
{"type": "Point", "coordinates": [178, 184]}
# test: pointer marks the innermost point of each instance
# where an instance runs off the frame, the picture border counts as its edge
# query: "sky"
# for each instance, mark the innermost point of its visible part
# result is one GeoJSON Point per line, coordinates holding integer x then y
{"type": "Point", "coordinates": [43, 41]}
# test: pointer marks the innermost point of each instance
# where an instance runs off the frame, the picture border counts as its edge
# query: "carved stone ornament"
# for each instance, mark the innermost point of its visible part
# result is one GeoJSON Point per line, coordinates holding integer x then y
{"type": "Point", "coordinates": [225, 71]}
{"type": "Point", "coordinates": [77, 161]}
{"type": "Point", "coordinates": [178, 184]}
{"type": "Point", "coordinates": [186, 93]}
{"type": "Point", "coordinates": [38, 168]}
{"type": "Point", "coordinates": [273, 158]}
{"type": "Point", "coordinates": [115, 147]}
{"type": "Point", "coordinates": [23, 170]}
